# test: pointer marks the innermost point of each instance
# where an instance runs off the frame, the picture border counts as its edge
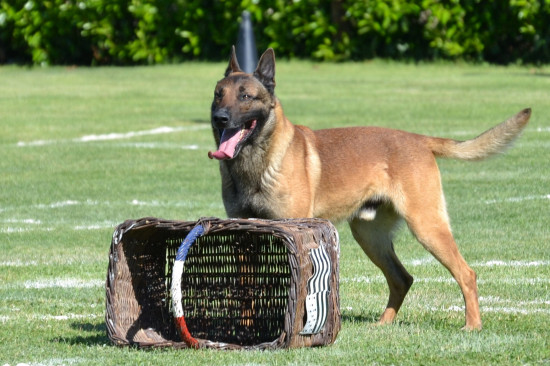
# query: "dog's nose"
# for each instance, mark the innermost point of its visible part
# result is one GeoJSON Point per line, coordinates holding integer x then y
{"type": "Point", "coordinates": [220, 117]}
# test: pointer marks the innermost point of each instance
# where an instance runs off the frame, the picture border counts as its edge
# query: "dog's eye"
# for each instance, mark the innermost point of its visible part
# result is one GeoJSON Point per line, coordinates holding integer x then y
{"type": "Point", "coordinates": [245, 96]}
{"type": "Point", "coordinates": [218, 94]}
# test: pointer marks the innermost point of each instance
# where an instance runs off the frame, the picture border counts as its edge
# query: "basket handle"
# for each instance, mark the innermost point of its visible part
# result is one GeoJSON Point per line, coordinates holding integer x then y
{"type": "Point", "coordinates": [177, 272]}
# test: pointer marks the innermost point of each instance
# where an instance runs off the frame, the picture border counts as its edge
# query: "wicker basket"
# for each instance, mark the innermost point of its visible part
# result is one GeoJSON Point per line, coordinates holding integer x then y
{"type": "Point", "coordinates": [244, 285]}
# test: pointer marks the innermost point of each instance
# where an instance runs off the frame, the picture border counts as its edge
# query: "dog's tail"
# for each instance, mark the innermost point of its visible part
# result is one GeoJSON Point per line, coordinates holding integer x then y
{"type": "Point", "coordinates": [490, 142]}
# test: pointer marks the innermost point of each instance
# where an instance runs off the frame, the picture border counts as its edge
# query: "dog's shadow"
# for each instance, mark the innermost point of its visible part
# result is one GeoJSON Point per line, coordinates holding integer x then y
{"type": "Point", "coordinates": [369, 318]}
{"type": "Point", "coordinates": [200, 121]}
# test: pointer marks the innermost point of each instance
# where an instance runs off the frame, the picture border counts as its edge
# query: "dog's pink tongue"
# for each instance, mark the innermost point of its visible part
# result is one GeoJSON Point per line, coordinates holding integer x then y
{"type": "Point", "coordinates": [228, 142]}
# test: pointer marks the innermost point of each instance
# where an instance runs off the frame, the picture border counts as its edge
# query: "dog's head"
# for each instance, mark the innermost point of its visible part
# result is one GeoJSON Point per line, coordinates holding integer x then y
{"type": "Point", "coordinates": [242, 105]}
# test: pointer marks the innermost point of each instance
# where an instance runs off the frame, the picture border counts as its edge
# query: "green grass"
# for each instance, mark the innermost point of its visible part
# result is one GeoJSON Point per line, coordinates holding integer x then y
{"type": "Point", "coordinates": [61, 197]}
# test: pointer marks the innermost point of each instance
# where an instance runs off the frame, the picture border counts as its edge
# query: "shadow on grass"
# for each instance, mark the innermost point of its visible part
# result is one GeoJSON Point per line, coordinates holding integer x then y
{"type": "Point", "coordinates": [531, 72]}
{"type": "Point", "coordinates": [369, 318]}
{"type": "Point", "coordinates": [90, 334]}
{"type": "Point", "coordinates": [89, 327]}
{"type": "Point", "coordinates": [201, 121]}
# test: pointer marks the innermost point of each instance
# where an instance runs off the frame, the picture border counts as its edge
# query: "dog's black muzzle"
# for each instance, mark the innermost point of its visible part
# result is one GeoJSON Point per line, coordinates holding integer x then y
{"type": "Point", "coordinates": [221, 118]}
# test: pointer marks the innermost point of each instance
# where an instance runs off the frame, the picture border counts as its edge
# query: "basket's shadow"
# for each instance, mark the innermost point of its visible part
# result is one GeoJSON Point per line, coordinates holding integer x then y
{"type": "Point", "coordinates": [92, 334]}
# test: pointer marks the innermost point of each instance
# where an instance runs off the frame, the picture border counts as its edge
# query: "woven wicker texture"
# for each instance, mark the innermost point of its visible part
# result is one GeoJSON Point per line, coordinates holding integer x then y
{"type": "Point", "coordinates": [244, 283]}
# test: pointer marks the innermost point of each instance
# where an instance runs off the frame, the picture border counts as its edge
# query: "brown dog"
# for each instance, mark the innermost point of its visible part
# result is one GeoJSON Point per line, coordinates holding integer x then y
{"type": "Point", "coordinates": [370, 176]}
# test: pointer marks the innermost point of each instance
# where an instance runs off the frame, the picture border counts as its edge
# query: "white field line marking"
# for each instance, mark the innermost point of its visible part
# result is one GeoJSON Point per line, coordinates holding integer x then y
{"type": "Point", "coordinates": [497, 263]}
{"type": "Point", "coordinates": [62, 204]}
{"type": "Point", "coordinates": [491, 309]}
{"type": "Point", "coordinates": [18, 230]}
{"type": "Point", "coordinates": [97, 226]}
{"type": "Point", "coordinates": [53, 362]}
{"type": "Point", "coordinates": [450, 280]}
{"type": "Point", "coordinates": [492, 304]}
{"type": "Point", "coordinates": [63, 283]}
{"type": "Point", "coordinates": [22, 221]}
{"type": "Point", "coordinates": [61, 361]}
{"type": "Point", "coordinates": [18, 263]}
{"type": "Point", "coordinates": [363, 279]}
{"type": "Point", "coordinates": [420, 262]}
{"type": "Point", "coordinates": [499, 300]}
{"type": "Point", "coordinates": [115, 136]}
{"type": "Point", "coordinates": [70, 316]}
{"type": "Point", "coordinates": [184, 204]}
{"type": "Point", "coordinates": [543, 129]}
{"type": "Point", "coordinates": [66, 317]}
{"type": "Point", "coordinates": [10, 229]}
{"type": "Point", "coordinates": [54, 283]}
{"type": "Point", "coordinates": [75, 259]}
{"type": "Point", "coordinates": [481, 281]}
{"type": "Point", "coordinates": [504, 281]}
{"type": "Point", "coordinates": [134, 202]}
{"type": "Point", "coordinates": [36, 225]}
{"type": "Point", "coordinates": [156, 145]}
{"type": "Point", "coordinates": [94, 226]}
{"type": "Point", "coordinates": [427, 261]}
{"type": "Point", "coordinates": [518, 199]}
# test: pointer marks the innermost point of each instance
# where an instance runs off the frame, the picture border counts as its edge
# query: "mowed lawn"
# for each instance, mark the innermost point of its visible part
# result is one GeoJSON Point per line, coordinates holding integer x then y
{"type": "Point", "coordinates": [83, 149]}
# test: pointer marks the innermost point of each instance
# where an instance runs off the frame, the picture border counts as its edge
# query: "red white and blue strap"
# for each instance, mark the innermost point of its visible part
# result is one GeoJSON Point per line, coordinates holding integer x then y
{"type": "Point", "coordinates": [177, 272]}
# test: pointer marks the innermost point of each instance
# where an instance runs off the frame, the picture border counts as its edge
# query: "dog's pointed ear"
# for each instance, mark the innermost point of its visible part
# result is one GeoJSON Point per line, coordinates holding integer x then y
{"type": "Point", "coordinates": [265, 72]}
{"type": "Point", "coordinates": [233, 63]}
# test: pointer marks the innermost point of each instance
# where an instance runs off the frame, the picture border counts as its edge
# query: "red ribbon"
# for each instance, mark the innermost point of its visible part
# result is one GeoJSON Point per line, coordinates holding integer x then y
{"type": "Point", "coordinates": [185, 335]}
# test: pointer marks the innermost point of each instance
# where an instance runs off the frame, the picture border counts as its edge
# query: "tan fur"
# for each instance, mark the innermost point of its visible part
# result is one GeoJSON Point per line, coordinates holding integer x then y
{"type": "Point", "coordinates": [370, 176]}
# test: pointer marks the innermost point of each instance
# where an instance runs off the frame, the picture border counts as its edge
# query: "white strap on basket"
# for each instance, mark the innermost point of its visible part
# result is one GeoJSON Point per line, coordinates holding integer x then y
{"type": "Point", "coordinates": [177, 272]}
{"type": "Point", "coordinates": [318, 289]}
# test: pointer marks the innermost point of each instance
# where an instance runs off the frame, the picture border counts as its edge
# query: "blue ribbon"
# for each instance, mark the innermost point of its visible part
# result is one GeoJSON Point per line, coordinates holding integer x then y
{"type": "Point", "coordinates": [188, 241]}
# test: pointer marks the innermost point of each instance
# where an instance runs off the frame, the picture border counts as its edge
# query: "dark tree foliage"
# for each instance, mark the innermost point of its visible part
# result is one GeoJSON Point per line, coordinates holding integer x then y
{"type": "Point", "coordinates": [117, 32]}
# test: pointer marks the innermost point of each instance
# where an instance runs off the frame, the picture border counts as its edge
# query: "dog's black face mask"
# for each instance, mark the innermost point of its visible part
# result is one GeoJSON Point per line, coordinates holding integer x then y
{"type": "Point", "coordinates": [241, 105]}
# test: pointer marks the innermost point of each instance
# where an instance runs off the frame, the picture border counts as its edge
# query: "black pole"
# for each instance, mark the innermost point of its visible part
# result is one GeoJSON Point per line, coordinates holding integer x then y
{"type": "Point", "coordinates": [247, 54]}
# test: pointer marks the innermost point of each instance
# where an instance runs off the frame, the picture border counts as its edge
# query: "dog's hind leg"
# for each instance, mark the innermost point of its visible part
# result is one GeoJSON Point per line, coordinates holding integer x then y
{"type": "Point", "coordinates": [375, 238]}
{"type": "Point", "coordinates": [428, 221]}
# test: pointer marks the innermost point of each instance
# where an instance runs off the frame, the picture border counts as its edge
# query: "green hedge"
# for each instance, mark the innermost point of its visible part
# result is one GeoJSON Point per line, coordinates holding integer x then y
{"type": "Point", "coordinates": [156, 31]}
